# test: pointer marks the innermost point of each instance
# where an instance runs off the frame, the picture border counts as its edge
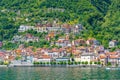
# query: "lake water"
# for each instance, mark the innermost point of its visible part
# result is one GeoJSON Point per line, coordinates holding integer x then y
{"type": "Point", "coordinates": [58, 73]}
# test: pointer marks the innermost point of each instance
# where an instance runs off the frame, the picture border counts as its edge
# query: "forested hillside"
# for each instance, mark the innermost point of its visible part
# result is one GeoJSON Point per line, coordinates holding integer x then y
{"type": "Point", "coordinates": [101, 18]}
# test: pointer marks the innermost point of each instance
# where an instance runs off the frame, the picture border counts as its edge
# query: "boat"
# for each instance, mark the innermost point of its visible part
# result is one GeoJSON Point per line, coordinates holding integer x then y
{"type": "Point", "coordinates": [113, 68]}
{"type": "Point", "coordinates": [107, 68]}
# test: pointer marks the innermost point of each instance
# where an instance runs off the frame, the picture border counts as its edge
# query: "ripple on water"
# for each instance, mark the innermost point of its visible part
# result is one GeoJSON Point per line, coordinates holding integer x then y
{"type": "Point", "coordinates": [58, 73]}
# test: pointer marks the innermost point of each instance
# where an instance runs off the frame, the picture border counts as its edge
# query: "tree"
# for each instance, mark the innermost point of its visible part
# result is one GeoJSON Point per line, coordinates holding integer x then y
{"type": "Point", "coordinates": [86, 62]}
{"type": "Point", "coordinates": [91, 62]}
{"type": "Point", "coordinates": [95, 62]}
{"type": "Point", "coordinates": [76, 63]}
{"type": "Point", "coordinates": [83, 62]}
{"type": "Point", "coordinates": [79, 62]}
{"type": "Point", "coordinates": [109, 64]}
{"type": "Point", "coordinates": [99, 62]}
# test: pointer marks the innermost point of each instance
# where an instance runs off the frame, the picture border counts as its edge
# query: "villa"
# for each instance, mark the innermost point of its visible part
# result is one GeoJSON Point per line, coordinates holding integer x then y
{"type": "Point", "coordinates": [88, 57]}
{"type": "Point", "coordinates": [113, 43]}
{"type": "Point", "coordinates": [24, 28]}
{"type": "Point", "coordinates": [113, 57]}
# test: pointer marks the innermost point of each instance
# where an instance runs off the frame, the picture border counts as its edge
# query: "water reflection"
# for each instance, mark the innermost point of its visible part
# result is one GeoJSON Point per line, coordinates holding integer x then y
{"type": "Point", "coordinates": [57, 73]}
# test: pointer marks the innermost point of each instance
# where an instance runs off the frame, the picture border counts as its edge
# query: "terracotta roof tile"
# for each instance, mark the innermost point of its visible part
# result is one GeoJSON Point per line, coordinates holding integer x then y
{"type": "Point", "coordinates": [102, 56]}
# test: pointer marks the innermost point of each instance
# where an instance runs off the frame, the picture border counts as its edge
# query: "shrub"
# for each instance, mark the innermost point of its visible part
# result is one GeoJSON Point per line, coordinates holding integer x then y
{"type": "Point", "coordinates": [109, 64]}
{"type": "Point", "coordinates": [6, 63]}
{"type": "Point", "coordinates": [61, 63]}
{"type": "Point", "coordinates": [43, 63]}
{"type": "Point", "coordinates": [40, 63]}
{"type": "Point", "coordinates": [99, 62]}
{"type": "Point", "coordinates": [90, 62]}
{"type": "Point", "coordinates": [95, 62]}
{"type": "Point", "coordinates": [54, 63]}
{"type": "Point", "coordinates": [83, 63]}
{"type": "Point", "coordinates": [76, 63]}
{"type": "Point", "coordinates": [86, 62]}
{"type": "Point", "coordinates": [47, 62]}
{"type": "Point", "coordinates": [1, 63]}
{"type": "Point", "coordinates": [64, 63]}
{"type": "Point", "coordinates": [69, 63]}
{"type": "Point", "coordinates": [79, 62]}
{"type": "Point", "coordinates": [51, 63]}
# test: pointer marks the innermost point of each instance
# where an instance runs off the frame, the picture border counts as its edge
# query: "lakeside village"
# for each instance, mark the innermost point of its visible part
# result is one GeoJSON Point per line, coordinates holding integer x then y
{"type": "Point", "coordinates": [67, 51]}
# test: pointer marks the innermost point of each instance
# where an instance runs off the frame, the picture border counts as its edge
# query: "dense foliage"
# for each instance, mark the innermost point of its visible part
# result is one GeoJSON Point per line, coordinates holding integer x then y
{"type": "Point", "coordinates": [100, 18]}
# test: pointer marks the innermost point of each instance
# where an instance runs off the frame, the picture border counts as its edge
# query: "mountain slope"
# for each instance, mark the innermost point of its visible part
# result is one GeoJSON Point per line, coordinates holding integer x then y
{"type": "Point", "coordinates": [100, 18]}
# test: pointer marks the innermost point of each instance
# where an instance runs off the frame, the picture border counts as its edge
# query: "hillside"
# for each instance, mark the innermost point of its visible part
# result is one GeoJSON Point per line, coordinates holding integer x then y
{"type": "Point", "coordinates": [100, 18]}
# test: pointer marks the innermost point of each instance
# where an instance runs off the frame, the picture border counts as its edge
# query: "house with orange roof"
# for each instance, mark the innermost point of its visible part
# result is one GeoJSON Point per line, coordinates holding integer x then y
{"type": "Point", "coordinates": [11, 58]}
{"type": "Point", "coordinates": [51, 34]}
{"type": "Point", "coordinates": [91, 49]}
{"type": "Point", "coordinates": [66, 28]}
{"type": "Point", "coordinates": [43, 58]}
{"type": "Point", "coordinates": [92, 41]}
{"type": "Point", "coordinates": [30, 37]}
{"type": "Point", "coordinates": [79, 42]}
{"type": "Point", "coordinates": [77, 53]}
{"type": "Point", "coordinates": [67, 37]}
{"type": "Point", "coordinates": [63, 42]}
{"type": "Point", "coordinates": [82, 49]}
{"type": "Point", "coordinates": [48, 38]}
{"type": "Point", "coordinates": [113, 57]}
{"type": "Point", "coordinates": [102, 58]}
{"type": "Point", "coordinates": [2, 56]}
{"type": "Point", "coordinates": [54, 53]}
{"type": "Point", "coordinates": [62, 53]}
{"type": "Point", "coordinates": [21, 46]}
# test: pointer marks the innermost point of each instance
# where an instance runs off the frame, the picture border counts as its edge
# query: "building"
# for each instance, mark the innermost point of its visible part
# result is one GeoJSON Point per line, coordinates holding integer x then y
{"type": "Point", "coordinates": [77, 28]}
{"type": "Point", "coordinates": [43, 58]}
{"type": "Point", "coordinates": [64, 59]}
{"type": "Point", "coordinates": [2, 56]}
{"type": "Point", "coordinates": [16, 38]}
{"type": "Point", "coordinates": [88, 57]}
{"type": "Point", "coordinates": [102, 57]}
{"type": "Point", "coordinates": [1, 43]}
{"type": "Point", "coordinates": [54, 29]}
{"type": "Point", "coordinates": [53, 53]}
{"type": "Point", "coordinates": [24, 28]}
{"type": "Point", "coordinates": [113, 43]}
{"type": "Point", "coordinates": [40, 28]}
{"type": "Point", "coordinates": [113, 58]}
{"type": "Point", "coordinates": [29, 37]}
{"type": "Point", "coordinates": [66, 28]}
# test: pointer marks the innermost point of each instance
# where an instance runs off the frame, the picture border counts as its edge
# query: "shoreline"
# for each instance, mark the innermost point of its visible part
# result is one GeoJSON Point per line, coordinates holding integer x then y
{"type": "Point", "coordinates": [49, 65]}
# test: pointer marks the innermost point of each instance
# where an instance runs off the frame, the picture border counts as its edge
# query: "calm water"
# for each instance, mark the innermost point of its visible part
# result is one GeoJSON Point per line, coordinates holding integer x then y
{"type": "Point", "coordinates": [58, 73]}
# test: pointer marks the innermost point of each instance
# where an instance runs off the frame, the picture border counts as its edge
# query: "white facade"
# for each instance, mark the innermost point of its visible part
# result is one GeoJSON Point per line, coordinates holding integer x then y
{"type": "Point", "coordinates": [53, 54]}
{"type": "Point", "coordinates": [44, 60]}
{"type": "Point", "coordinates": [112, 44]}
{"type": "Point", "coordinates": [87, 57]}
{"type": "Point", "coordinates": [54, 29]}
{"type": "Point", "coordinates": [40, 29]}
{"type": "Point", "coordinates": [24, 28]}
